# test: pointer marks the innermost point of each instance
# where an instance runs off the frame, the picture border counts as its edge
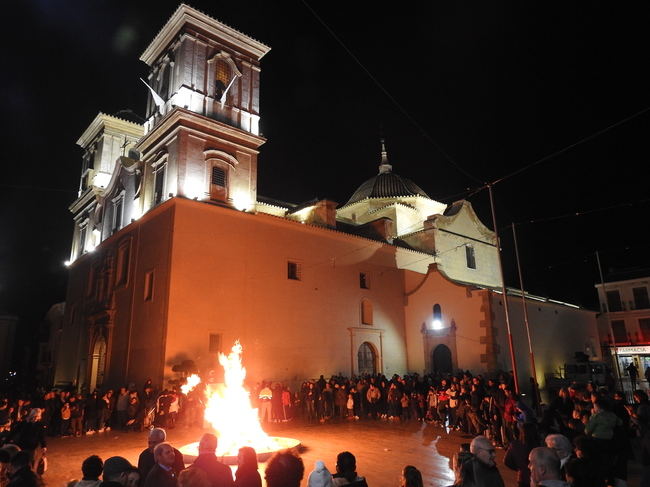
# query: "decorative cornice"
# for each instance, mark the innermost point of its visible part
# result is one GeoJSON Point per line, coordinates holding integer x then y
{"type": "Point", "coordinates": [189, 120]}
{"type": "Point", "coordinates": [106, 123]}
{"type": "Point", "coordinates": [185, 14]}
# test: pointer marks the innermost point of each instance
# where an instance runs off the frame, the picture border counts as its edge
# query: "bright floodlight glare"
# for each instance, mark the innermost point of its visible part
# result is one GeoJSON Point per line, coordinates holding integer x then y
{"type": "Point", "coordinates": [67, 263]}
{"type": "Point", "coordinates": [437, 324]}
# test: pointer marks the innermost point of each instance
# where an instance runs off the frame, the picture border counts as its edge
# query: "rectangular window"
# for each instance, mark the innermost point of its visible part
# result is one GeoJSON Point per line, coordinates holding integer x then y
{"type": "Point", "coordinates": [644, 325]}
{"type": "Point", "coordinates": [123, 256]}
{"type": "Point", "coordinates": [614, 301]}
{"type": "Point", "coordinates": [159, 185]}
{"type": "Point", "coordinates": [117, 214]}
{"type": "Point", "coordinates": [470, 257]}
{"type": "Point", "coordinates": [620, 333]}
{"type": "Point", "coordinates": [363, 281]}
{"type": "Point", "coordinates": [215, 343]}
{"type": "Point", "coordinates": [82, 239]}
{"type": "Point", "coordinates": [148, 286]}
{"type": "Point", "coordinates": [218, 176]}
{"type": "Point", "coordinates": [218, 184]}
{"type": "Point", "coordinates": [641, 298]}
{"type": "Point", "coordinates": [293, 271]}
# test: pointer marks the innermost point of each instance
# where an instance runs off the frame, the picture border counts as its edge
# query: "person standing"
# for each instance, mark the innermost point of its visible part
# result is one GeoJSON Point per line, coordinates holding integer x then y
{"type": "Point", "coordinates": [633, 373]}
{"type": "Point", "coordinates": [485, 471]}
{"type": "Point", "coordinates": [247, 474]}
{"type": "Point", "coordinates": [121, 407]}
{"type": "Point", "coordinates": [265, 396]}
{"type": "Point", "coordinates": [218, 473]}
{"type": "Point", "coordinates": [545, 468]}
{"type": "Point", "coordinates": [146, 460]}
{"type": "Point", "coordinates": [162, 473]}
{"type": "Point", "coordinates": [518, 451]}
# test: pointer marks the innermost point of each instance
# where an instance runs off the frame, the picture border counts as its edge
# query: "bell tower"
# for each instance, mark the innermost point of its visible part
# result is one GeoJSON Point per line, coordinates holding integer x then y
{"type": "Point", "coordinates": [202, 130]}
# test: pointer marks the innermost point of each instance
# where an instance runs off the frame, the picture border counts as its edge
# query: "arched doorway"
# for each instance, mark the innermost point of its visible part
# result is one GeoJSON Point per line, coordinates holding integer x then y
{"type": "Point", "coordinates": [367, 359]}
{"type": "Point", "coordinates": [98, 364]}
{"type": "Point", "coordinates": [441, 356]}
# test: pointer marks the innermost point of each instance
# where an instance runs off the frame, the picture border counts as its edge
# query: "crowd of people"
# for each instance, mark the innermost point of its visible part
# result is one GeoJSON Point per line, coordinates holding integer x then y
{"type": "Point", "coordinates": [590, 432]}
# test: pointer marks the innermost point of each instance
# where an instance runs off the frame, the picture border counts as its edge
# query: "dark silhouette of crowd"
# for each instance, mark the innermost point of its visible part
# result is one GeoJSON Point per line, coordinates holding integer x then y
{"type": "Point", "coordinates": [584, 436]}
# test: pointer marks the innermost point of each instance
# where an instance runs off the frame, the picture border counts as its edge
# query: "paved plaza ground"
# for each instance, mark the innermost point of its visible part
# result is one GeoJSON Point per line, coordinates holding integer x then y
{"type": "Point", "coordinates": [382, 449]}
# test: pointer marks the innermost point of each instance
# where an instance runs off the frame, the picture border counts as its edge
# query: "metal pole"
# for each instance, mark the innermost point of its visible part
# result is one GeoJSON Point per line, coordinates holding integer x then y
{"type": "Point", "coordinates": [505, 293]}
{"type": "Point", "coordinates": [609, 323]}
{"type": "Point", "coordinates": [533, 370]}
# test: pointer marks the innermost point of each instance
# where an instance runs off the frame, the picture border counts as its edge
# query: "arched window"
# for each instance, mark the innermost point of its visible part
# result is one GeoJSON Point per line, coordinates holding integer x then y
{"type": "Point", "coordinates": [367, 359]}
{"type": "Point", "coordinates": [366, 312]}
{"type": "Point", "coordinates": [437, 317]}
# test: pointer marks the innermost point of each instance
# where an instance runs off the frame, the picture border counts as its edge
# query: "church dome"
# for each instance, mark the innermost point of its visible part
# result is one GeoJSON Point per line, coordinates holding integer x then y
{"type": "Point", "coordinates": [386, 184]}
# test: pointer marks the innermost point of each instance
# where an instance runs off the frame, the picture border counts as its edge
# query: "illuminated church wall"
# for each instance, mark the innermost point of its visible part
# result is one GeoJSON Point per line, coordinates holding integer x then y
{"type": "Point", "coordinates": [230, 278]}
{"type": "Point", "coordinates": [557, 331]}
{"type": "Point", "coordinates": [464, 325]}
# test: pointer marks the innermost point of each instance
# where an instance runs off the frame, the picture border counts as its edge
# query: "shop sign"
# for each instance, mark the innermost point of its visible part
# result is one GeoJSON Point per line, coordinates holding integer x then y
{"type": "Point", "coordinates": [640, 350]}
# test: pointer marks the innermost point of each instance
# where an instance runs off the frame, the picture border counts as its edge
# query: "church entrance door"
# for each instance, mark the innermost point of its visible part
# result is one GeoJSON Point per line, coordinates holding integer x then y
{"type": "Point", "coordinates": [442, 360]}
{"type": "Point", "coordinates": [367, 358]}
{"type": "Point", "coordinates": [98, 364]}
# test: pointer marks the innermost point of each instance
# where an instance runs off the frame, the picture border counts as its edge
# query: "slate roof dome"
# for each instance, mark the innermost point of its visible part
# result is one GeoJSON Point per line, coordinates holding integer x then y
{"type": "Point", "coordinates": [386, 184]}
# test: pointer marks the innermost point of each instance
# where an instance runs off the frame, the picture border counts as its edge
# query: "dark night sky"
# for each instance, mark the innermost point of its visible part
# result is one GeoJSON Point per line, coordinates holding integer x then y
{"type": "Point", "coordinates": [496, 85]}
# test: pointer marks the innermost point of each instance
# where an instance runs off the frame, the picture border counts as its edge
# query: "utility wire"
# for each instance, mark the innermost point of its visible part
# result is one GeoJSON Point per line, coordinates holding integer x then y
{"type": "Point", "coordinates": [582, 213]}
{"type": "Point", "coordinates": [570, 146]}
{"type": "Point", "coordinates": [426, 135]}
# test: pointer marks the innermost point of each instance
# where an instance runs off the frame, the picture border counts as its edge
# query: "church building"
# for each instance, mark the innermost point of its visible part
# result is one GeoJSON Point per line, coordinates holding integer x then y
{"type": "Point", "coordinates": [175, 255]}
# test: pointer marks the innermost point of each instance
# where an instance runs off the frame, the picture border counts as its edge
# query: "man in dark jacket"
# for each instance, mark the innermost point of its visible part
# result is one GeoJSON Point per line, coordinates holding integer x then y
{"type": "Point", "coordinates": [162, 474]}
{"type": "Point", "coordinates": [146, 460]}
{"type": "Point", "coordinates": [486, 473]}
{"type": "Point", "coordinates": [219, 474]}
{"type": "Point", "coordinates": [116, 470]}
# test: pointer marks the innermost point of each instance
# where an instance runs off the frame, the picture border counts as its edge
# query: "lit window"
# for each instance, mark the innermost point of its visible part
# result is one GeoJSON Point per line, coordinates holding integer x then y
{"type": "Point", "coordinates": [366, 312]}
{"type": "Point", "coordinates": [437, 317]}
{"type": "Point", "coordinates": [222, 78]}
{"type": "Point", "coordinates": [148, 286]}
{"type": "Point", "coordinates": [363, 281]}
{"type": "Point", "coordinates": [470, 257]}
{"type": "Point", "coordinates": [293, 271]}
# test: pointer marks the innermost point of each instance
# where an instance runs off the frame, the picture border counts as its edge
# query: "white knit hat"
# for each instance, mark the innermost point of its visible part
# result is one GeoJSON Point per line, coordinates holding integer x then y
{"type": "Point", "coordinates": [320, 476]}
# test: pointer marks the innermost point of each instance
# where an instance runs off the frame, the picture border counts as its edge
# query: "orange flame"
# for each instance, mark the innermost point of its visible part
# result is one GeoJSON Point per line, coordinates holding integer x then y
{"type": "Point", "coordinates": [229, 410]}
{"type": "Point", "coordinates": [190, 383]}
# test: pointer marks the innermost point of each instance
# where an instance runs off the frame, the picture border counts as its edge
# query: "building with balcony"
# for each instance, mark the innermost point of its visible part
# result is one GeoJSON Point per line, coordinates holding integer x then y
{"type": "Point", "coordinates": [624, 322]}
